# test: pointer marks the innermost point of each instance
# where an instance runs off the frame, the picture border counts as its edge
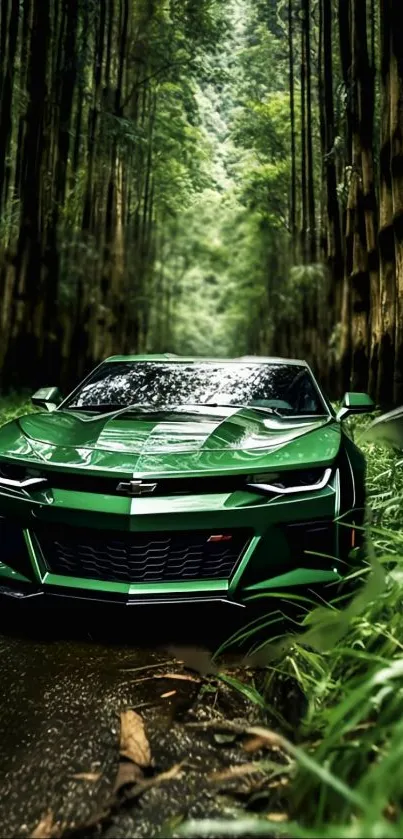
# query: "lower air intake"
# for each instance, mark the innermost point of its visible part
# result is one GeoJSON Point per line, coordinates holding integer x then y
{"type": "Point", "coordinates": [143, 557]}
{"type": "Point", "coordinates": [312, 544]}
{"type": "Point", "coordinates": [13, 549]}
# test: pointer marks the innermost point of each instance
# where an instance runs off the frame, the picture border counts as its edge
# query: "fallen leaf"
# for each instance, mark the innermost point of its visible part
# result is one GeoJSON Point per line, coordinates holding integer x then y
{"type": "Point", "coordinates": [180, 677]}
{"type": "Point", "coordinates": [277, 817]}
{"type": "Point", "coordinates": [167, 695]}
{"type": "Point", "coordinates": [146, 667]}
{"type": "Point", "coordinates": [254, 744]}
{"type": "Point", "coordinates": [133, 740]}
{"type": "Point", "coordinates": [46, 828]}
{"type": "Point", "coordinates": [148, 783]}
{"type": "Point", "coordinates": [128, 774]}
{"type": "Point", "coordinates": [235, 772]}
{"type": "Point", "coordinates": [270, 738]}
{"type": "Point", "coordinates": [87, 776]}
{"type": "Point", "coordinates": [219, 724]}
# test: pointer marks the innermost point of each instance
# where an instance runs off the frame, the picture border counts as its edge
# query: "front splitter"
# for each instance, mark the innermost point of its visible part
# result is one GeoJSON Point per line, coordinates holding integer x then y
{"type": "Point", "coordinates": [50, 596]}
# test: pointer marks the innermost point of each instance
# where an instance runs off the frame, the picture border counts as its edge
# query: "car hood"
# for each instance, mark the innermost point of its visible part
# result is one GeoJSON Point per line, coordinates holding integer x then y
{"type": "Point", "coordinates": [205, 438]}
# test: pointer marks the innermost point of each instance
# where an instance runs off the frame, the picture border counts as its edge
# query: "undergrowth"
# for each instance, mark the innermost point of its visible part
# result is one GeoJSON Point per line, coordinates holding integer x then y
{"type": "Point", "coordinates": [15, 405]}
{"type": "Point", "coordinates": [348, 662]}
{"type": "Point", "coordinates": [354, 686]}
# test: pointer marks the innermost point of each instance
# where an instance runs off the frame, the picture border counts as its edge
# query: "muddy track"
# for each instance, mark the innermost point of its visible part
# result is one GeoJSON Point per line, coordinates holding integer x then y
{"type": "Point", "coordinates": [61, 698]}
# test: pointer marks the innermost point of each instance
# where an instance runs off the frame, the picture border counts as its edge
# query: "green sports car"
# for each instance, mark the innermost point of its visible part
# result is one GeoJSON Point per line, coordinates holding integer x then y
{"type": "Point", "coordinates": [172, 480]}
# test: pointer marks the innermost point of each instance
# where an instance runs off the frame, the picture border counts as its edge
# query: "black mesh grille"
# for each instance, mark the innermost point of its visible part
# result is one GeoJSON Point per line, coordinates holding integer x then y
{"type": "Point", "coordinates": [143, 557]}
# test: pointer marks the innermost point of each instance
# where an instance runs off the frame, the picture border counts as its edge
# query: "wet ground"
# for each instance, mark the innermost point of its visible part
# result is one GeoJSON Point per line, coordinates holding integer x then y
{"type": "Point", "coordinates": [62, 690]}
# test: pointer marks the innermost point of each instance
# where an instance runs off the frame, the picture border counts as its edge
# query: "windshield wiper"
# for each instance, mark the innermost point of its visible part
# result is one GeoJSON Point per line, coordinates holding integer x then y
{"type": "Point", "coordinates": [268, 409]}
{"type": "Point", "coordinates": [106, 408]}
{"type": "Point", "coordinates": [142, 406]}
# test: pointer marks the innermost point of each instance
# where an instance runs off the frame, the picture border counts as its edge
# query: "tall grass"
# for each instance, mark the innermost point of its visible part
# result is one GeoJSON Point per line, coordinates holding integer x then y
{"type": "Point", "coordinates": [349, 664]}
{"type": "Point", "coordinates": [355, 687]}
{"type": "Point", "coordinates": [348, 661]}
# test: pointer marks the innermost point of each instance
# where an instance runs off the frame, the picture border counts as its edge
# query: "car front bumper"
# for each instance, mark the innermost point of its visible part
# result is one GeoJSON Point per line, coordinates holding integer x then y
{"type": "Point", "coordinates": [282, 551]}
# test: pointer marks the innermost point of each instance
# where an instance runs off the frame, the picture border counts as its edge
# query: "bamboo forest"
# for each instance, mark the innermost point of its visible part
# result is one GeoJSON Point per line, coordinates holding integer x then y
{"type": "Point", "coordinates": [201, 419]}
{"type": "Point", "coordinates": [202, 177]}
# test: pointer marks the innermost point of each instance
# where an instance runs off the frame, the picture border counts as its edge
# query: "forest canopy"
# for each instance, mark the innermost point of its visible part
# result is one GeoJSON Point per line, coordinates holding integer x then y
{"type": "Point", "coordinates": [215, 177]}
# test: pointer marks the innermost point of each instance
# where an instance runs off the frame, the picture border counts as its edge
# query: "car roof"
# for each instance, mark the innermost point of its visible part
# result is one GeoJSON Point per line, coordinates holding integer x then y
{"type": "Point", "coordinates": [167, 357]}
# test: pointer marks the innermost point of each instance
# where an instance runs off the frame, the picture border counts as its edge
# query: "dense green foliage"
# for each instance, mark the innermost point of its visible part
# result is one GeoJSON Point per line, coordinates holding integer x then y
{"type": "Point", "coordinates": [346, 778]}
{"type": "Point", "coordinates": [234, 249]}
{"type": "Point", "coordinates": [350, 669]}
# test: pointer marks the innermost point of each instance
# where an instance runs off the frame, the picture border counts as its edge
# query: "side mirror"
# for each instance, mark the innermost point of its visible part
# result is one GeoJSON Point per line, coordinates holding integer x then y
{"type": "Point", "coordinates": [356, 403]}
{"type": "Point", "coordinates": [47, 397]}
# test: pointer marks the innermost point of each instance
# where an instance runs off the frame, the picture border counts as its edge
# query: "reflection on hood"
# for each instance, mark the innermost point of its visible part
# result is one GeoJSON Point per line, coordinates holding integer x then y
{"type": "Point", "coordinates": [196, 443]}
{"type": "Point", "coordinates": [202, 430]}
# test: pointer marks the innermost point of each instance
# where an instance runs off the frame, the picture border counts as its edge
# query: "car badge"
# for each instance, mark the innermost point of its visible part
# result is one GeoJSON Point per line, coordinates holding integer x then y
{"type": "Point", "coordinates": [136, 488]}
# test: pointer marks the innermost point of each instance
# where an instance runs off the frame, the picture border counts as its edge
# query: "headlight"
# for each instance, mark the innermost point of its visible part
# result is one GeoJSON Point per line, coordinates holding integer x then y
{"type": "Point", "coordinates": [287, 483]}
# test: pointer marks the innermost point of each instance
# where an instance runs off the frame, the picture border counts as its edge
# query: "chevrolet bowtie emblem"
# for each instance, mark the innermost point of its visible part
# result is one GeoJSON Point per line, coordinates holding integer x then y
{"type": "Point", "coordinates": [136, 488]}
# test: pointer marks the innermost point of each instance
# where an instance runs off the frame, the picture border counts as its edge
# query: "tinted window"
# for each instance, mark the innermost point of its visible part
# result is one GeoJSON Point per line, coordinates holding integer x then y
{"type": "Point", "coordinates": [285, 387]}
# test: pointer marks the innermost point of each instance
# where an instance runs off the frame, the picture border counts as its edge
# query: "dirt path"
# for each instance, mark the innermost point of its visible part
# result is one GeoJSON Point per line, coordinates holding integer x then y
{"type": "Point", "coordinates": [60, 706]}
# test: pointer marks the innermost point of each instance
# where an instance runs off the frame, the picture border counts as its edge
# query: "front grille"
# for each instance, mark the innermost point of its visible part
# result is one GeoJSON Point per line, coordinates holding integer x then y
{"type": "Point", "coordinates": [142, 557]}
{"type": "Point", "coordinates": [165, 486]}
{"type": "Point", "coordinates": [84, 482]}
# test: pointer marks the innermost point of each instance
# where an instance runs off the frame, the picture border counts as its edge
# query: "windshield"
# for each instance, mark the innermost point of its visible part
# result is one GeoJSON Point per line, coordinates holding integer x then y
{"type": "Point", "coordinates": [285, 389]}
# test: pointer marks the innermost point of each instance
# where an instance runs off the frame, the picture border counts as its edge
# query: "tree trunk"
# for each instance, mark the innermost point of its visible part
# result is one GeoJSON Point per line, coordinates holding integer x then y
{"type": "Point", "coordinates": [26, 314]}
{"type": "Point", "coordinates": [386, 232]}
{"type": "Point", "coordinates": [304, 208]}
{"type": "Point", "coordinates": [6, 90]}
{"type": "Point", "coordinates": [396, 140]}
{"type": "Point", "coordinates": [51, 337]}
{"type": "Point", "coordinates": [345, 46]}
{"type": "Point", "coordinates": [334, 241]}
{"type": "Point", "coordinates": [89, 201]}
{"type": "Point", "coordinates": [23, 81]}
{"type": "Point", "coordinates": [309, 142]}
{"type": "Point", "coordinates": [66, 99]}
{"type": "Point", "coordinates": [359, 276]}
{"type": "Point", "coordinates": [323, 235]}
{"type": "Point", "coordinates": [293, 199]}
{"type": "Point", "coordinates": [366, 105]}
